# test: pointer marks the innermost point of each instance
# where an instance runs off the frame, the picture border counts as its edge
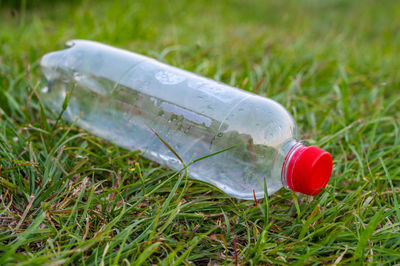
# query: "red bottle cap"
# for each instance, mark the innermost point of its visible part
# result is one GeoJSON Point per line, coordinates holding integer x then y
{"type": "Point", "coordinates": [308, 169]}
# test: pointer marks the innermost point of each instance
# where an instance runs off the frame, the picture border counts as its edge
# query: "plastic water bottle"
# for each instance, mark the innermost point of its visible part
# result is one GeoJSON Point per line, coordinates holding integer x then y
{"type": "Point", "coordinates": [176, 117]}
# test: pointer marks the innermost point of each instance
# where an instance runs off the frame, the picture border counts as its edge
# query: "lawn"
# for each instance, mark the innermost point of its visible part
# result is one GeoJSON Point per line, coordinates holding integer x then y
{"type": "Point", "coordinates": [69, 197]}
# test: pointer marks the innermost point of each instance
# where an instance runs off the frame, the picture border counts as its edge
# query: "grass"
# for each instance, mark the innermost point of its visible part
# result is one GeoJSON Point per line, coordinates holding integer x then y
{"type": "Point", "coordinates": [69, 197]}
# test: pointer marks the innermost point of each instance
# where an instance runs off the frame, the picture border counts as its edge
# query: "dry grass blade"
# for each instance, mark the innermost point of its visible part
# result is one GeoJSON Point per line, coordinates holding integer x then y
{"type": "Point", "coordinates": [168, 146]}
{"type": "Point", "coordinates": [27, 209]}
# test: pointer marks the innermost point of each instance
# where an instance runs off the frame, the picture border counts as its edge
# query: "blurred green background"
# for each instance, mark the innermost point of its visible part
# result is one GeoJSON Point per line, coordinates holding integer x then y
{"type": "Point", "coordinates": [69, 197]}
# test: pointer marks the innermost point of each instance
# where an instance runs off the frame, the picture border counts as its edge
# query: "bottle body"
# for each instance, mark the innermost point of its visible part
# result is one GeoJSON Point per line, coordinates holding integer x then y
{"type": "Point", "coordinates": [124, 98]}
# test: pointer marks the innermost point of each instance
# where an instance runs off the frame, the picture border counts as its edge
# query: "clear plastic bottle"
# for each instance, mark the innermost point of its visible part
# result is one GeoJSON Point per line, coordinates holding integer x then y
{"type": "Point", "coordinates": [125, 97]}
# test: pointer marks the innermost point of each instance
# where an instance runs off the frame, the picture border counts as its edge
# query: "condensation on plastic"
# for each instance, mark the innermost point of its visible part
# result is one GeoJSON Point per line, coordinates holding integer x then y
{"type": "Point", "coordinates": [121, 96]}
